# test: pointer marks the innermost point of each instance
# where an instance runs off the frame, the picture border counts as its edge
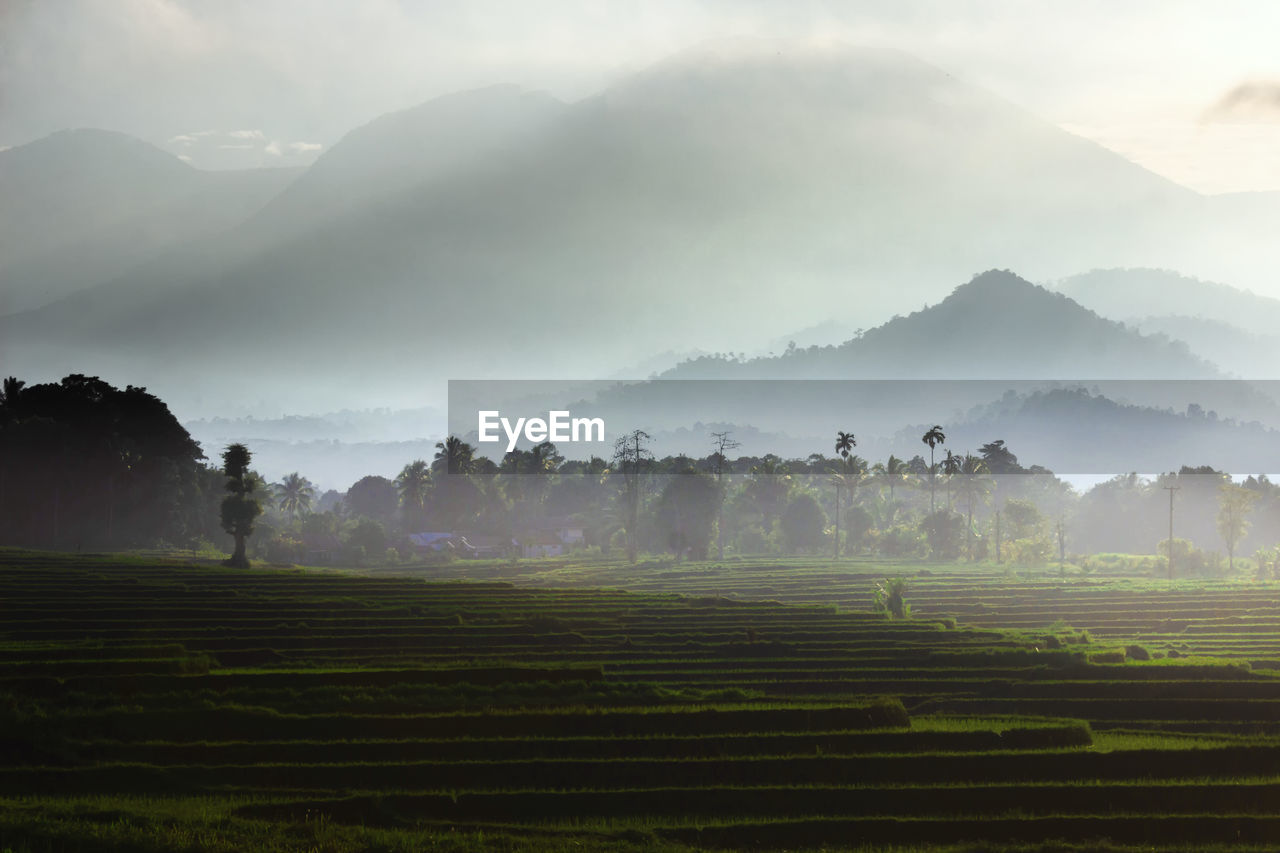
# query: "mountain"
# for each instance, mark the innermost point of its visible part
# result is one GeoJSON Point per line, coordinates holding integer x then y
{"type": "Point", "coordinates": [819, 334]}
{"type": "Point", "coordinates": [408, 150]}
{"type": "Point", "coordinates": [1130, 294]}
{"type": "Point", "coordinates": [1073, 431]}
{"type": "Point", "coordinates": [83, 206]}
{"type": "Point", "coordinates": [997, 339]}
{"type": "Point", "coordinates": [1239, 352]}
{"type": "Point", "coordinates": [997, 326]}
{"type": "Point", "coordinates": [725, 193]}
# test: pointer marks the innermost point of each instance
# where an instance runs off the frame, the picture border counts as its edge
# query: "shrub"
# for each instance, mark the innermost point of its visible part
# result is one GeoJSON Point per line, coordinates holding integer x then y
{"type": "Point", "coordinates": [944, 531]}
{"type": "Point", "coordinates": [890, 597]}
{"type": "Point", "coordinates": [1029, 552]}
{"type": "Point", "coordinates": [900, 541]}
{"type": "Point", "coordinates": [1136, 653]}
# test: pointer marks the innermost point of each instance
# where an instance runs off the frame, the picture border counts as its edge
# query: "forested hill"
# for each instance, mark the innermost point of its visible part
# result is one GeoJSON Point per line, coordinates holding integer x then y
{"type": "Point", "coordinates": [997, 326]}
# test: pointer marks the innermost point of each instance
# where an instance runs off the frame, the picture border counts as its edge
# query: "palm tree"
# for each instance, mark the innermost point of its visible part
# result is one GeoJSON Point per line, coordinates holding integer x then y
{"type": "Point", "coordinates": [453, 456]}
{"type": "Point", "coordinates": [974, 486]}
{"type": "Point", "coordinates": [845, 442]}
{"type": "Point", "coordinates": [848, 476]}
{"type": "Point", "coordinates": [294, 494]}
{"type": "Point", "coordinates": [538, 462]}
{"type": "Point", "coordinates": [933, 438]}
{"type": "Point", "coordinates": [413, 482]}
{"type": "Point", "coordinates": [951, 465]}
{"type": "Point", "coordinates": [892, 472]}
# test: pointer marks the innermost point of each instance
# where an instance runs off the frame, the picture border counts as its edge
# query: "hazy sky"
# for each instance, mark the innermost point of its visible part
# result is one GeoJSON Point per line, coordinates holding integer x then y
{"type": "Point", "coordinates": [1188, 89]}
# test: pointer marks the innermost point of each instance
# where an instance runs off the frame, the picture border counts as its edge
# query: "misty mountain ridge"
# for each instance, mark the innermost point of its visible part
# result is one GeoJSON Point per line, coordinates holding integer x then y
{"type": "Point", "coordinates": [1075, 431]}
{"type": "Point", "coordinates": [1131, 294]}
{"type": "Point", "coordinates": [82, 206]}
{"type": "Point", "coordinates": [998, 325]}
{"type": "Point", "coordinates": [400, 152]}
{"type": "Point", "coordinates": [1235, 350]}
{"type": "Point", "coordinates": [824, 174]}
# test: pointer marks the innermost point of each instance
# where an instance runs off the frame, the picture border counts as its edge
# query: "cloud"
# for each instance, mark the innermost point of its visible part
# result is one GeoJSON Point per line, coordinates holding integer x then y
{"type": "Point", "coordinates": [276, 148]}
{"type": "Point", "coordinates": [184, 138]}
{"type": "Point", "coordinates": [236, 147]}
{"type": "Point", "coordinates": [186, 158]}
{"type": "Point", "coordinates": [1252, 100]}
{"type": "Point", "coordinates": [246, 134]}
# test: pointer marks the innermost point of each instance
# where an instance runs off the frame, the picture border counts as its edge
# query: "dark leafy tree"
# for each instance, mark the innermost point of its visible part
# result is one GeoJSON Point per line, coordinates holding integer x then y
{"type": "Point", "coordinates": [367, 541]}
{"type": "Point", "coordinates": [858, 523]}
{"type": "Point", "coordinates": [803, 523]}
{"type": "Point", "coordinates": [1234, 505]}
{"type": "Point", "coordinates": [998, 458]}
{"type": "Point", "coordinates": [373, 497]}
{"type": "Point", "coordinates": [943, 530]}
{"type": "Point", "coordinates": [84, 463]}
{"type": "Point", "coordinates": [686, 512]}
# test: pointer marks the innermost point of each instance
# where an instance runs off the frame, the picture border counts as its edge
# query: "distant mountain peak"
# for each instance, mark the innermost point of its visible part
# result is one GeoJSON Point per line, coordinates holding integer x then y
{"type": "Point", "coordinates": [996, 283]}
{"type": "Point", "coordinates": [996, 325]}
{"type": "Point", "coordinates": [89, 148]}
{"type": "Point", "coordinates": [999, 294]}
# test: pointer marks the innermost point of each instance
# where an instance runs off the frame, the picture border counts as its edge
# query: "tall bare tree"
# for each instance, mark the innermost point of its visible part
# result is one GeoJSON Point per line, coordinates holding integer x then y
{"type": "Point", "coordinates": [722, 442]}
{"type": "Point", "coordinates": [631, 458]}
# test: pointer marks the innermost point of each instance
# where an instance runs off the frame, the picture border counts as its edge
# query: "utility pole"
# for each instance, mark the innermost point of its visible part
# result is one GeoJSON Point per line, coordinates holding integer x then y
{"type": "Point", "coordinates": [722, 441]}
{"type": "Point", "coordinates": [1171, 490]}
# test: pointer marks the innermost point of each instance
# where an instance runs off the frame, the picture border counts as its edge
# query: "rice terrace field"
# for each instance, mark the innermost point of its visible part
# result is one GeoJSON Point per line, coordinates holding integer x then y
{"type": "Point", "coordinates": [159, 703]}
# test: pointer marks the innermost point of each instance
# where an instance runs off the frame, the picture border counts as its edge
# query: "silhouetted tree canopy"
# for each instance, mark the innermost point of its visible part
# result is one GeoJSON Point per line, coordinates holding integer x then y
{"type": "Point", "coordinates": [85, 464]}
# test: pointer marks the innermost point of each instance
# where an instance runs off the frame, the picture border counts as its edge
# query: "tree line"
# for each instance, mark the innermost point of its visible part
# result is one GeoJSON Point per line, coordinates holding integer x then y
{"type": "Point", "coordinates": [86, 465]}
